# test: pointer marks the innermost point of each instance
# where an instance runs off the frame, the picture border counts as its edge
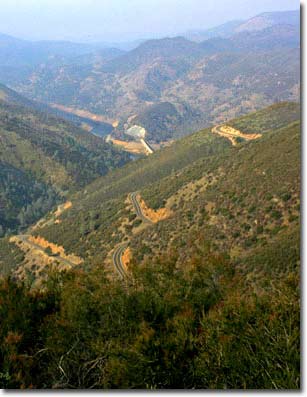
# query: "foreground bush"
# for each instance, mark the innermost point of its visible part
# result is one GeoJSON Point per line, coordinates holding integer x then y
{"type": "Point", "coordinates": [201, 327]}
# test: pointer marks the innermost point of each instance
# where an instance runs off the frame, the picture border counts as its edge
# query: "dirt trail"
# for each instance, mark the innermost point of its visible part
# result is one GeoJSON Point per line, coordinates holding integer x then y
{"type": "Point", "coordinates": [231, 134]}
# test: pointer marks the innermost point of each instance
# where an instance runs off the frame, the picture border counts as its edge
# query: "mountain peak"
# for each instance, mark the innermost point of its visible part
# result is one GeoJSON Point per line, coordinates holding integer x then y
{"type": "Point", "coordinates": [268, 19]}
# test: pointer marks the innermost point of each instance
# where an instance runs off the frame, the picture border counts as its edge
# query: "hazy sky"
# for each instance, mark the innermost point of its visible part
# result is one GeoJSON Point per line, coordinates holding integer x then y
{"type": "Point", "coordinates": [122, 20]}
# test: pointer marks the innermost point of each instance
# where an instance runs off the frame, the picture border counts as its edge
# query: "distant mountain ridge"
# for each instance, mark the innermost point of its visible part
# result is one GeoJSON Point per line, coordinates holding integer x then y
{"type": "Point", "coordinates": [185, 85]}
{"type": "Point", "coordinates": [30, 53]}
{"type": "Point", "coordinates": [168, 48]}
{"type": "Point", "coordinates": [257, 23]}
{"type": "Point", "coordinates": [268, 19]}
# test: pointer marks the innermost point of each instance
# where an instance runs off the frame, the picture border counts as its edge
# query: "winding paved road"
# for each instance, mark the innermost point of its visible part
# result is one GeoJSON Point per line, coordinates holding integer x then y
{"type": "Point", "coordinates": [25, 239]}
{"type": "Point", "coordinates": [230, 137]}
{"type": "Point", "coordinates": [138, 209]}
{"type": "Point", "coordinates": [231, 134]}
{"type": "Point", "coordinates": [118, 253]}
{"type": "Point", "coordinates": [117, 260]}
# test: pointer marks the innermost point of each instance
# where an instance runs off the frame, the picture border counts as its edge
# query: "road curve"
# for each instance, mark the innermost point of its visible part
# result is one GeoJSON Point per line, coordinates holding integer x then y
{"type": "Point", "coordinates": [118, 253]}
{"type": "Point", "coordinates": [230, 137]}
{"type": "Point", "coordinates": [231, 134]}
{"type": "Point", "coordinates": [138, 209]}
{"type": "Point", "coordinates": [25, 238]}
{"type": "Point", "coordinates": [117, 260]}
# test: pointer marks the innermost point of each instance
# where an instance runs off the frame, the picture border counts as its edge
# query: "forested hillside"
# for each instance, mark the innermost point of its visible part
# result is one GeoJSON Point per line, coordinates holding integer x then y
{"type": "Point", "coordinates": [210, 297]}
{"type": "Point", "coordinates": [42, 159]}
{"type": "Point", "coordinates": [203, 160]}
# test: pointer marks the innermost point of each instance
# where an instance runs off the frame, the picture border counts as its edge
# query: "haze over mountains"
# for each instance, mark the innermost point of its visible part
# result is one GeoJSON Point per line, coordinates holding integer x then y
{"type": "Point", "coordinates": [240, 68]}
{"type": "Point", "coordinates": [259, 22]}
